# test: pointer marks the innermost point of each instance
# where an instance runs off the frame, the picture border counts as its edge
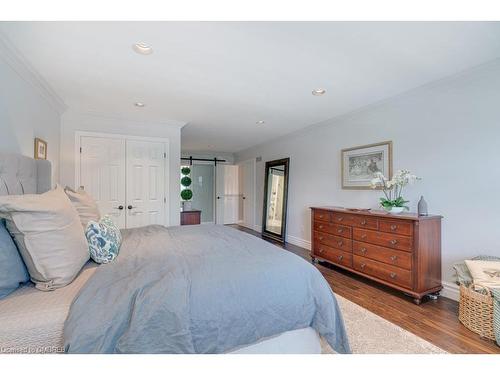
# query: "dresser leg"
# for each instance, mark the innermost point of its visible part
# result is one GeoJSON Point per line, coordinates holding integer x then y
{"type": "Point", "coordinates": [417, 301]}
{"type": "Point", "coordinates": [313, 260]}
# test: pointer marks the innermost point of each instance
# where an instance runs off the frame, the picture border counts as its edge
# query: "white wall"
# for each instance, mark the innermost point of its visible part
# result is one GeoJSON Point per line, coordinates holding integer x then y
{"type": "Point", "coordinates": [25, 113]}
{"type": "Point", "coordinates": [447, 132]}
{"type": "Point", "coordinates": [73, 121]}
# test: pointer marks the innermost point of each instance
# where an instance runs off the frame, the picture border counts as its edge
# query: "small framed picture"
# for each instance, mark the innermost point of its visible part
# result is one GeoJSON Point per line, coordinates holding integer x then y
{"type": "Point", "coordinates": [359, 164]}
{"type": "Point", "coordinates": [40, 149]}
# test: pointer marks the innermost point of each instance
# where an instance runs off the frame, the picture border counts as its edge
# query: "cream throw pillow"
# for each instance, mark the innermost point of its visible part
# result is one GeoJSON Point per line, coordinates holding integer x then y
{"type": "Point", "coordinates": [48, 234]}
{"type": "Point", "coordinates": [484, 272]}
{"type": "Point", "coordinates": [85, 206]}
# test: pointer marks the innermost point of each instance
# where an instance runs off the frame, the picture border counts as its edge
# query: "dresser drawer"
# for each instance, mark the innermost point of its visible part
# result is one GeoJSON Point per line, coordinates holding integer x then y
{"type": "Point", "coordinates": [340, 243]}
{"type": "Point", "coordinates": [364, 222]}
{"type": "Point", "coordinates": [333, 255]}
{"type": "Point", "coordinates": [335, 229]}
{"type": "Point", "coordinates": [322, 215]}
{"type": "Point", "coordinates": [383, 254]}
{"type": "Point", "coordinates": [382, 271]}
{"type": "Point", "coordinates": [341, 218]}
{"type": "Point", "coordinates": [394, 241]}
{"type": "Point", "coordinates": [396, 226]}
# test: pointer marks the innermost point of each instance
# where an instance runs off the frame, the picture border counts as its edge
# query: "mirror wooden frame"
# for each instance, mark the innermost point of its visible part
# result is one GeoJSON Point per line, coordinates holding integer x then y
{"type": "Point", "coordinates": [265, 233]}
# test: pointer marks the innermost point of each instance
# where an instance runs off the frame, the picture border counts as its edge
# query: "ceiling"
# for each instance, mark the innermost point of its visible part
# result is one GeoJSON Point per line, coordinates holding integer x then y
{"type": "Point", "coordinates": [222, 77]}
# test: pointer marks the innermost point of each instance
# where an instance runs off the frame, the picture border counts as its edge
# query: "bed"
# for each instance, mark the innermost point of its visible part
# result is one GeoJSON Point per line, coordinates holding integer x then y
{"type": "Point", "coordinates": [205, 277]}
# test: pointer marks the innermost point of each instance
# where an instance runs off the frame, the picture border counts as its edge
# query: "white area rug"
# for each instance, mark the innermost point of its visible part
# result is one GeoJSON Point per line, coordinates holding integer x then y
{"type": "Point", "coordinates": [370, 334]}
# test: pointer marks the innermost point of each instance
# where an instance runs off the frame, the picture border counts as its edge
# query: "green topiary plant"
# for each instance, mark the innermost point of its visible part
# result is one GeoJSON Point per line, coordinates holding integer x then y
{"type": "Point", "coordinates": [186, 181]}
{"type": "Point", "coordinates": [185, 171]}
{"type": "Point", "coordinates": [186, 194]}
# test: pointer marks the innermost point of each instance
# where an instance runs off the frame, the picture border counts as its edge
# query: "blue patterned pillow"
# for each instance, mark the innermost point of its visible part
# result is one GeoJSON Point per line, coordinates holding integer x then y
{"type": "Point", "coordinates": [104, 239]}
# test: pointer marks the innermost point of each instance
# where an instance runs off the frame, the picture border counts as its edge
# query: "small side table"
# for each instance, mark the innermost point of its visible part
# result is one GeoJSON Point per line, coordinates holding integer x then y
{"type": "Point", "coordinates": [191, 217]}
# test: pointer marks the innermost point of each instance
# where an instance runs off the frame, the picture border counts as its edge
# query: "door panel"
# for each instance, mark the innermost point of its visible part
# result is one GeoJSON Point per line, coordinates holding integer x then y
{"type": "Point", "coordinates": [102, 174]}
{"type": "Point", "coordinates": [227, 187]}
{"type": "Point", "coordinates": [247, 170]}
{"type": "Point", "coordinates": [145, 183]}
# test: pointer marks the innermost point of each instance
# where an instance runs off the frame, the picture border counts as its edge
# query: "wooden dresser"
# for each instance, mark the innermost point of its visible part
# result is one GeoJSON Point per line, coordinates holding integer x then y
{"type": "Point", "coordinates": [191, 217]}
{"type": "Point", "coordinates": [402, 251]}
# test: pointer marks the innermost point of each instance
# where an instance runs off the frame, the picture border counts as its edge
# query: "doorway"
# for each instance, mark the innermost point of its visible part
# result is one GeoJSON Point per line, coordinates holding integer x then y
{"type": "Point", "coordinates": [203, 186]}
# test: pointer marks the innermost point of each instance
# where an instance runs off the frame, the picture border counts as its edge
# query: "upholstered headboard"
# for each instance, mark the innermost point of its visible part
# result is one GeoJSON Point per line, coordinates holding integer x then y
{"type": "Point", "coordinates": [23, 175]}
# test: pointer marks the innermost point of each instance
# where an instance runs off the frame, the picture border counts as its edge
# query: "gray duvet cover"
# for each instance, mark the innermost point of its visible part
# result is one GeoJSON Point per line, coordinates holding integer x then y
{"type": "Point", "coordinates": [199, 289]}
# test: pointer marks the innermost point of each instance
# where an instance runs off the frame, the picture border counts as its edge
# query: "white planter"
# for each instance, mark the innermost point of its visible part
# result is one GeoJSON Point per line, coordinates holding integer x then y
{"type": "Point", "coordinates": [395, 210]}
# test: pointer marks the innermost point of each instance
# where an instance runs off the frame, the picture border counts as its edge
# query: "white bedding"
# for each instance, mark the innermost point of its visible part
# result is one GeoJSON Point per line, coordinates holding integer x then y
{"type": "Point", "coordinates": [32, 321]}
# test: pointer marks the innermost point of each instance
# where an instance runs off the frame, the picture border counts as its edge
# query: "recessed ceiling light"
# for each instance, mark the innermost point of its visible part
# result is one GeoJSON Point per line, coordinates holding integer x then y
{"type": "Point", "coordinates": [260, 122]}
{"type": "Point", "coordinates": [139, 104]}
{"type": "Point", "coordinates": [318, 92]}
{"type": "Point", "coordinates": [142, 48]}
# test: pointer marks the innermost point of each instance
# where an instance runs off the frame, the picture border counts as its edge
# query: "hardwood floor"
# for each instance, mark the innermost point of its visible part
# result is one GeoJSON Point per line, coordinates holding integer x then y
{"type": "Point", "coordinates": [435, 321]}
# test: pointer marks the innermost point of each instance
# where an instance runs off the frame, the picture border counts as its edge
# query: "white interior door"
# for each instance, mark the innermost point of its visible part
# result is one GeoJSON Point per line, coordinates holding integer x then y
{"type": "Point", "coordinates": [247, 178]}
{"type": "Point", "coordinates": [102, 175]}
{"type": "Point", "coordinates": [145, 183]}
{"type": "Point", "coordinates": [227, 187]}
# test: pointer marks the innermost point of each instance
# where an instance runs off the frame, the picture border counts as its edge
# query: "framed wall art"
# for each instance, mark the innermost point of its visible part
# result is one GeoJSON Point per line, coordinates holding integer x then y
{"type": "Point", "coordinates": [40, 149]}
{"type": "Point", "coordinates": [360, 163]}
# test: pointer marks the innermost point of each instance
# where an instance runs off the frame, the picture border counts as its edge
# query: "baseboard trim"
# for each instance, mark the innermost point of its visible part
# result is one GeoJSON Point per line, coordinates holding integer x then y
{"type": "Point", "coordinates": [298, 242]}
{"type": "Point", "coordinates": [450, 290]}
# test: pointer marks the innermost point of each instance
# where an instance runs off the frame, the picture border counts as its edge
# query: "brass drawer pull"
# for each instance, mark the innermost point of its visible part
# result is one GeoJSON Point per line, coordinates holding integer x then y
{"type": "Point", "coordinates": [394, 227]}
{"type": "Point", "coordinates": [363, 222]}
{"type": "Point", "coordinates": [340, 218]}
{"type": "Point", "coordinates": [394, 257]}
{"type": "Point", "coordinates": [394, 242]}
{"type": "Point", "coordinates": [320, 250]}
{"type": "Point", "coordinates": [321, 226]}
{"type": "Point", "coordinates": [321, 216]}
{"type": "Point", "coordinates": [363, 236]}
{"type": "Point", "coordinates": [363, 250]}
{"type": "Point", "coordinates": [341, 257]}
{"type": "Point", "coordinates": [340, 243]}
{"type": "Point", "coordinates": [363, 265]}
{"type": "Point", "coordinates": [393, 275]}
{"type": "Point", "coordinates": [321, 238]}
{"type": "Point", "coordinates": [340, 231]}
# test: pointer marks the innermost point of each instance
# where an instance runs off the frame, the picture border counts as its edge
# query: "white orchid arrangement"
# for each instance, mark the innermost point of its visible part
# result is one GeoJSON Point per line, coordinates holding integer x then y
{"type": "Point", "coordinates": [393, 188]}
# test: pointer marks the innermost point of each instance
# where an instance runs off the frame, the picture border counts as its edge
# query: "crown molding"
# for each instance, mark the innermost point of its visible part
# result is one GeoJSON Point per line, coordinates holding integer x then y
{"type": "Point", "coordinates": [115, 117]}
{"type": "Point", "coordinates": [14, 58]}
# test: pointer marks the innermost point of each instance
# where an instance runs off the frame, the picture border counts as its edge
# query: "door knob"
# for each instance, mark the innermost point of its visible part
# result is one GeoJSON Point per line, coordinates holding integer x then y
{"type": "Point", "coordinates": [130, 207]}
{"type": "Point", "coordinates": [244, 197]}
{"type": "Point", "coordinates": [120, 207]}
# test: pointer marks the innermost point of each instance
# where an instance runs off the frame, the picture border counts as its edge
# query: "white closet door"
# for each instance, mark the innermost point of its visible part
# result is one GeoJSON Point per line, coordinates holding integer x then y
{"type": "Point", "coordinates": [145, 183]}
{"type": "Point", "coordinates": [102, 174]}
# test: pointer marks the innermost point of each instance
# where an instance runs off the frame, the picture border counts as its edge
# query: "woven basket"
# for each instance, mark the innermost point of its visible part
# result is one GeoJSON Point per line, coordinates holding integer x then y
{"type": "Point", "coordinates": [476, 311]}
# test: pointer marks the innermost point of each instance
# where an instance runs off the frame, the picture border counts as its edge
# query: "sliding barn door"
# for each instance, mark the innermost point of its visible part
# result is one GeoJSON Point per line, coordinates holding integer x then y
{"type": "Point", "coordinates": [102, 175]}
{"type": "Point", "coordinates": [145, 183]}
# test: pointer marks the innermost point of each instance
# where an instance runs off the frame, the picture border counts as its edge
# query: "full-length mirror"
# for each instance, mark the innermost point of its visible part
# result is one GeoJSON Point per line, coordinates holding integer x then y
{"type": "Point", "coordinates": [275, 199]}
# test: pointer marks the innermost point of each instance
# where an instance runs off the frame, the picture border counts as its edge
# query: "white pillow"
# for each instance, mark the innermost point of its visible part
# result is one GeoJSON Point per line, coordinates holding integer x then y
{"type": "Point", "coordinates": [84, 204]}
{"type": "Point", "coordinates": [484, 272]}
{"type": "Point", "coordinates": [48, 234]}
